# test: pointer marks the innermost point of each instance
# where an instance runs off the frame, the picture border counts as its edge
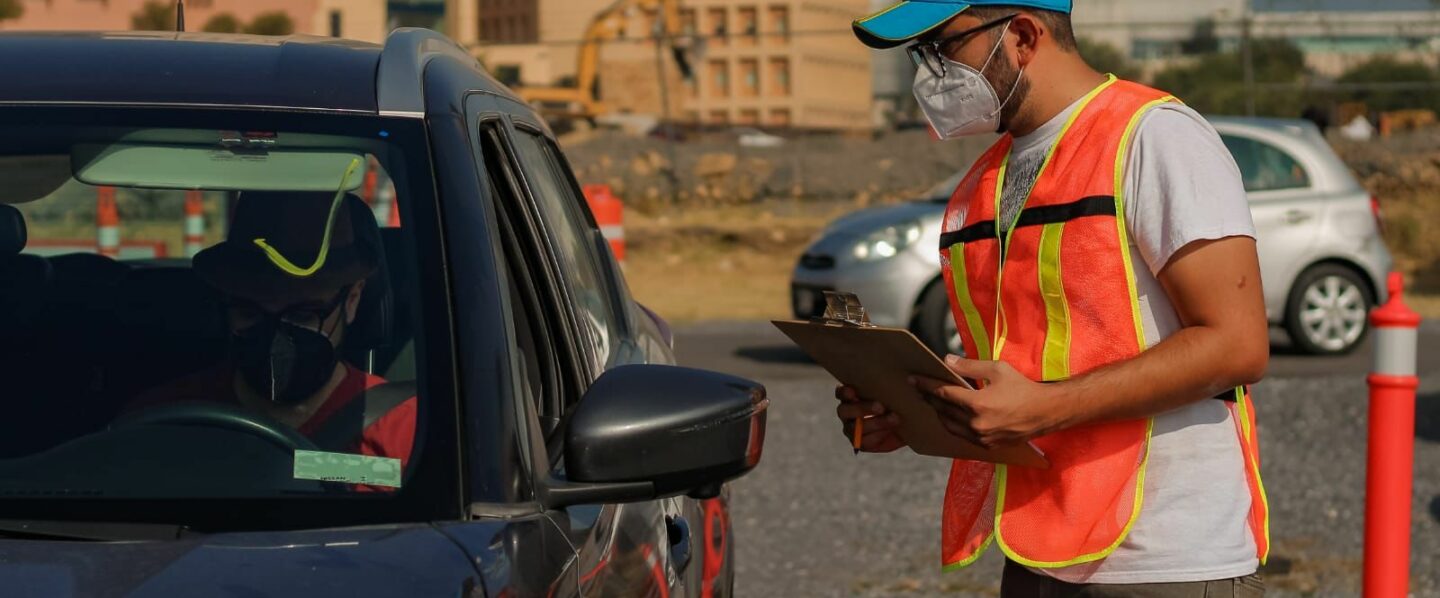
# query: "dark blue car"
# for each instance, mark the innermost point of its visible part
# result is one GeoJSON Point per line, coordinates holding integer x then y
{"type": "Point", "coordinates": [309, 317]}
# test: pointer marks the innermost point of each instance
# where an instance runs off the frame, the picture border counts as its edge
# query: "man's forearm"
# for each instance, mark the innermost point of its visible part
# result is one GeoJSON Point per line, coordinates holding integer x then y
{"type": "Point", "coordinates": [1194, 364]}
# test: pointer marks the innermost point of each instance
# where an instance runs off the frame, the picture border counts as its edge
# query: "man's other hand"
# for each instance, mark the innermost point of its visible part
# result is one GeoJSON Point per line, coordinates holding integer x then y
{"type": "Point", "coordinates": [881, 428]}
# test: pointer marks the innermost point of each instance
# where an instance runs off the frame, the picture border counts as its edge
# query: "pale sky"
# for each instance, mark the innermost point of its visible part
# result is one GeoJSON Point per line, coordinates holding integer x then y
{"type": "Point", "coordinates": [1357, 5]}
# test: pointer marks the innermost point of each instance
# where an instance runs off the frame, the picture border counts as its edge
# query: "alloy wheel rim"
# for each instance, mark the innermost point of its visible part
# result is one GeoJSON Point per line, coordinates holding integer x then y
{"type": "Point", "coordinates": [1333, 313]}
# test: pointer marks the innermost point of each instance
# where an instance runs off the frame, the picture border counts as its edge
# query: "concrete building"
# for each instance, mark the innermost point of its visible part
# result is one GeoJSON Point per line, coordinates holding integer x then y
{"type": "Point", "coordinates": [533, 42]}
{"type": "Point", "coordinates": [354, 19]}
{"type": "Point", "coordinates": [1334, 37]}
{"type": "Point", "coordinates": [777, 63]}
{"type": "Point", "coordinates": [791, 63]}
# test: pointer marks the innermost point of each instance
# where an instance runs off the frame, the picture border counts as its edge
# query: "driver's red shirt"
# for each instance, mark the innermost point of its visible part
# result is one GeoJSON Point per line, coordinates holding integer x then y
{"type": "Point", "coordinates": [393, 435]}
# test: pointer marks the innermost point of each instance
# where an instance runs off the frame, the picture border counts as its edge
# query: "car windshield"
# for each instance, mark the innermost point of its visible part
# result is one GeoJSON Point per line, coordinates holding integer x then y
{"type": "Point", "coordinates": [207, 307]}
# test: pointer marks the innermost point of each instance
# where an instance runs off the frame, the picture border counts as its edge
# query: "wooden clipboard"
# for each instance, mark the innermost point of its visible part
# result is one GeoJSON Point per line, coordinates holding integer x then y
{"type": "Point", "coordinates": [877, 361]}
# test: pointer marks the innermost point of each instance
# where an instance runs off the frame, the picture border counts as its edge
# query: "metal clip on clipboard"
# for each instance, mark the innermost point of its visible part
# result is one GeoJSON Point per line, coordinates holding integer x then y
{"type": "Point", "coordinates": [844, 309]}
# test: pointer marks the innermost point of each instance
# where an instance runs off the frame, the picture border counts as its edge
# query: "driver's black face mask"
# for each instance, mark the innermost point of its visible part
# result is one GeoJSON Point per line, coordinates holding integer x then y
{"type": "Point", "coordinates": [284, 362]}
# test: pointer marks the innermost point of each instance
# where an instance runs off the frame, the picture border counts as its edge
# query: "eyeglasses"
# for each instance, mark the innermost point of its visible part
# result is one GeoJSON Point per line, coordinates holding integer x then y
{"type": "Point", "coordinates": [932, 54]}
{"type": "Point", "coordinates": [244, 314]}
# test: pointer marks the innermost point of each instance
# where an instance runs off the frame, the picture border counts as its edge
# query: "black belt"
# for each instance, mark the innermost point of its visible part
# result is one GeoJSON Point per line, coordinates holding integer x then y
{"type": "Point", "coordinates": [1227, 396]}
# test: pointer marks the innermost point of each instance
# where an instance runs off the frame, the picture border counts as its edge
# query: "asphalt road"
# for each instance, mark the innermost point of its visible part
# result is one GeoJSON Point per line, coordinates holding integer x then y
{"type": "Point", "coordinates": [815, 520]}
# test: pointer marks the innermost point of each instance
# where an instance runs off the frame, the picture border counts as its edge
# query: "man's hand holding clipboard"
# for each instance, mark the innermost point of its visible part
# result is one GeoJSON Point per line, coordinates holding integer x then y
{"type": "Point", "coordinates": [925, 404]}
{"type": "Point", "coordinates": [1008, 408]}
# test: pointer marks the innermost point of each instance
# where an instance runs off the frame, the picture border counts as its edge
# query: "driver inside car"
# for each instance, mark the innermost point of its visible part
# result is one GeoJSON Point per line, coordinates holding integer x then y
{"type": "Point", "coordinates": [288, 309]}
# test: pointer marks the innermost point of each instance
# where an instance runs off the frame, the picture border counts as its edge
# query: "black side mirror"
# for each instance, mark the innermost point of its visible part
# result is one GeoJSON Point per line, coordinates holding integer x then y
{"type": "Point", "coordinates": [651, 431]}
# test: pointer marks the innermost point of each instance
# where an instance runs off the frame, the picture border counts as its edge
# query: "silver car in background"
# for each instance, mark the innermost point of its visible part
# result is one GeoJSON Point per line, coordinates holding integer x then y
{"type": "Point", "coordinates": [1322, 257]}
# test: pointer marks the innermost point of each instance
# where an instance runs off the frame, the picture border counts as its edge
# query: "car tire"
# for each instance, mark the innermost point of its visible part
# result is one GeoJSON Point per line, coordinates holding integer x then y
{"type": "Point", "coordinates": [1328, 310]}
{"type": "Point", "coordinates": [934, 324]}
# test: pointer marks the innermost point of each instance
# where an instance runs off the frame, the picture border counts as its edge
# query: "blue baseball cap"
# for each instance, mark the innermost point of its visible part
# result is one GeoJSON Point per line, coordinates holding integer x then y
{"type": "Point", "coordinates": [909, 19]}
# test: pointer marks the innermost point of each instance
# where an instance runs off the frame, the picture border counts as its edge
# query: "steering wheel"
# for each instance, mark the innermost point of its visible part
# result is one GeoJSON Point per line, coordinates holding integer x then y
{"type": "Point", "coordinates": [220, 415]}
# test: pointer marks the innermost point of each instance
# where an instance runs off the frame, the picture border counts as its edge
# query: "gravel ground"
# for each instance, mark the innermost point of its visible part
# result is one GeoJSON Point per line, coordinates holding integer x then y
{"type": "Point", "coordinates": [814, 520]}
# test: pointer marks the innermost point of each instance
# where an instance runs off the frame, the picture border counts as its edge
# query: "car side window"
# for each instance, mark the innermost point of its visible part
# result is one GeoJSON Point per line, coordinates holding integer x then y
{"type": "Point", "coordinates": [575, 238]}
{"type": "Point", "coordinates": [540, 377]}
{"type": "Point", "coordinates": [1264, 167]}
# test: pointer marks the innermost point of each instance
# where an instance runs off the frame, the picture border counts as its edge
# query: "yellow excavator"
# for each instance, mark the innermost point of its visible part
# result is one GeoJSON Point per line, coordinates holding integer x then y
{"type": "Point", "coordinates": [582, 100]}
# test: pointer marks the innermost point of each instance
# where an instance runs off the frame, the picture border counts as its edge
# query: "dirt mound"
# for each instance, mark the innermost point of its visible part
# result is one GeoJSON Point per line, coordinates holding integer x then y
{"type": "Point", "coordinates": [1404, 174]}
{"type": "Point", "coordinates": [715, 170]}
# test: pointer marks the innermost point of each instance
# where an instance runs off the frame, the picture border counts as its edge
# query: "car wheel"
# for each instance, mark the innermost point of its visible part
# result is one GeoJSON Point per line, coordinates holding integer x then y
{"type": "Point", "coordinates": [1328, 310]}
{"type": "Point", "coordinates": [934, 324]}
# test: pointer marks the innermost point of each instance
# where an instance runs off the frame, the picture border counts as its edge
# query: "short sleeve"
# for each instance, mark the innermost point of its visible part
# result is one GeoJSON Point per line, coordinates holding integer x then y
{"type": "Point", "coordinates": [1181, 186]}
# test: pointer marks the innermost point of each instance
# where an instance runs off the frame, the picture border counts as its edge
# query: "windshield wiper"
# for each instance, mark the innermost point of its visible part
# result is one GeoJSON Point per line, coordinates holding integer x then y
{"type": "Point", "coordinates": [98, 531]}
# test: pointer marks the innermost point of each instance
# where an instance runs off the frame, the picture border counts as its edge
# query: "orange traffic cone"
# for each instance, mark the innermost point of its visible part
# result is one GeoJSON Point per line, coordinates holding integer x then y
{"type": "Point", "coordinates": [394, 219]}
{"type": "Point", "coordinates": [107, 223]}
{"type": "Point", "coordinates": [384, 205]}
{"type": "Point", "coordinates": [367, 192]}
{"type": "Point", "coordinates": [194, 223]}
{"type": "Point", "coordinates": [610, 215]}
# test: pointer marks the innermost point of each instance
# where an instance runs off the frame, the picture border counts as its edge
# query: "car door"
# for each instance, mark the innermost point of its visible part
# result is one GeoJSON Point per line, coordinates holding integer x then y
{"type": "Point", "coordinates": [636, 549]}
{"type": "Point", "coordinates": [1283, 204]}
{"type": "Point", "coordinates": [683, 541]}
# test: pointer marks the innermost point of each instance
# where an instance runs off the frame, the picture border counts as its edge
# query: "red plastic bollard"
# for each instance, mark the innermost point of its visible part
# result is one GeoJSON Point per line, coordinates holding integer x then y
{"type": "Point", "coordinates": [1389, 467]}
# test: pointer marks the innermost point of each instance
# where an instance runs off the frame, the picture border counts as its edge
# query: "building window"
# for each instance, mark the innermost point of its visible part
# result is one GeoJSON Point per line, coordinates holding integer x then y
{"type": "Point", "coordinates": [779, 117]}
{"type": "Point", "coordinates": [688, 22]}
{"type": "Point", "coordinates": [719, 117]}
{"type": "Point", "coordinates": [715, 26]}
{"type": "Point", "coordinates": [1150, 49]}
{"type": "Point", "coordinates": [749, 116]}
{"type": "Point", "coordinates": [509, 74]}
{"type": "Point", "coordinates": [780, 23]}
{"type": "Point", "coordinates": [720, 77]}
{"type": "Point", "coordinates": [649, 27]}
{"type": "Point", "coordinates": [780, 77]}
{"type": "Point", "coordinates": [749, 25]}
{"type": "Point", "coordinates": [749, 77]}
{"type": "Point", "coordinates": [335, 29]}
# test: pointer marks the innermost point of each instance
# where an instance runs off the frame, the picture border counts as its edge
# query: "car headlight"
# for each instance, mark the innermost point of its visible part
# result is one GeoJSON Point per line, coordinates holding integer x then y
{"type": "Point", "coordinates": [887, 242]}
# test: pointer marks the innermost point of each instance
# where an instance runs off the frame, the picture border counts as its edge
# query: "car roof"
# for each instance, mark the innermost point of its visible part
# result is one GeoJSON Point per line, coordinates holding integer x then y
{"type": "Point", "coordinates": [166, 68]}
{"type": "Point", "coordinates": [1290, 126]}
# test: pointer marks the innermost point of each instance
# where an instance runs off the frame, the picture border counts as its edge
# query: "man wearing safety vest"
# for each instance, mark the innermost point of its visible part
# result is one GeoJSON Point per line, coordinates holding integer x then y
{"type": "Point", "coordinates": [1101, 264]}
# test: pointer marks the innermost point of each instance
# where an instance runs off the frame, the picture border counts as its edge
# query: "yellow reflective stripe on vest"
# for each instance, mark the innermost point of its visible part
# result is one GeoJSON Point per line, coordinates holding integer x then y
{"type": "Point", "coordinates": [1000, 322]}
{"type": "Point", "coordinates": [967, 304]}
{"type": "Point", "coordinates": [1120, 160]}
{"type": "Point", "coordinates": [1056, 361]}
{"type": "Point", "coordinates": [1250, 452]}
{"type": "Point", "coordinates": [1084, 558]}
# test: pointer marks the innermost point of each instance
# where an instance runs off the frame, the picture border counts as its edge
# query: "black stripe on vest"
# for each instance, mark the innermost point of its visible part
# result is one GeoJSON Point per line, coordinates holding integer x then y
{"type": "Point", "coordinates": [1099, 205]}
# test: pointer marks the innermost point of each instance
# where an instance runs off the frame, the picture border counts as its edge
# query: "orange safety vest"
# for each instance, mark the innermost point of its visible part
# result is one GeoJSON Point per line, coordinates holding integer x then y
{"type": "Point", "coordinates": [1057, 301]}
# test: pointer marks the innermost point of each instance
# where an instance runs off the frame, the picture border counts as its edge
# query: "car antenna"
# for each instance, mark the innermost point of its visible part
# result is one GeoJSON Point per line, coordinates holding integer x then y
{"type": "Point", "coordinates": [180, 16]}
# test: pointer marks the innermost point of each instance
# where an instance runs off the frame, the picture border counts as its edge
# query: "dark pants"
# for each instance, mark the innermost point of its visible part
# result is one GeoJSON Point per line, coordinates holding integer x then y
{"type": "Point", "coordinates": [1020, 582]}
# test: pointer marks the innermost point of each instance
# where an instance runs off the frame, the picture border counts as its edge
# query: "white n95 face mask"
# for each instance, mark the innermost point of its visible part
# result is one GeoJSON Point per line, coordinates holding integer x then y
{"type": "Point", "coordinates": [962, 102]}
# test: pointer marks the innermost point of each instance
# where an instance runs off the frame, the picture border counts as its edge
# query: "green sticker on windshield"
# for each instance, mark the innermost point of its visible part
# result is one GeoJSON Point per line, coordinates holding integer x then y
{"type": "Point", "coordinates": [344, 467]}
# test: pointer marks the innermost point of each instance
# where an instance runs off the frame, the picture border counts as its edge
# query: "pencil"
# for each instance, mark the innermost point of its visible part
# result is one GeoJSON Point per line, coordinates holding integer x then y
{"type": "Point", "coordinates": [859, 434]}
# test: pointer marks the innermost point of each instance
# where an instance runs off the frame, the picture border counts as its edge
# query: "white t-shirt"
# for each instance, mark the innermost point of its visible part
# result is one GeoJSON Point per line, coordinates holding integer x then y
{"type": "Point", "coordinates": [1181, 186]}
